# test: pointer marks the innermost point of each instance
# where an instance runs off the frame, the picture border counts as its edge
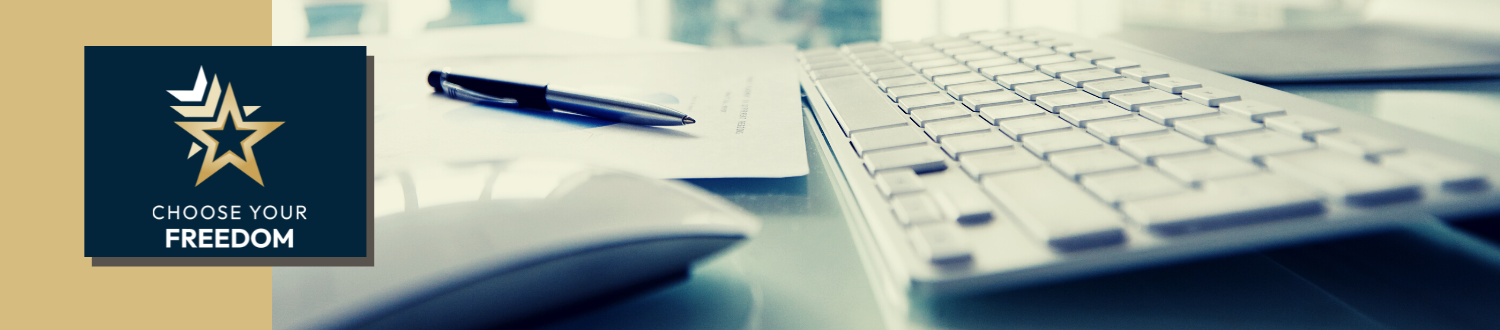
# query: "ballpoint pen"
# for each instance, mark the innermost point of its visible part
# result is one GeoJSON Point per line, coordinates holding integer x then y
{"type": "Point", "coordinates": [549, 97]}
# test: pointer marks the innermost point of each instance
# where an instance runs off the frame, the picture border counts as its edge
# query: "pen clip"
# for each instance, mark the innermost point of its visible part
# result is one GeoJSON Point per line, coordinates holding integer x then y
{"type": "Point", "coordinates": [463, 94]}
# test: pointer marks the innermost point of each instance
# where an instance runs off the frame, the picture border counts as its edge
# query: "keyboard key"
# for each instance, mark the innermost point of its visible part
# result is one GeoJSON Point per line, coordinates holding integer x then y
{"type": "Point", "coordinates": [1044, 145]}
{"type": "Point", "coordinates": [1065, 100]}
{"type": "Point", "coordinates": [1207, 128]}
{"type": "Point", "coordinates": [837, 53]}
{"type": "Point", "coordinates": [858, 105]}
{"type": "Point", "coordinates": [877, 67]}
{"type": "Point", "coordinates": [886, 61]}
{"type": "Point", "coordinates": [977, 101]}
{"type": "Point", "coordinates": [963, 203]}
{"type": "Point", "coordinates": [1077, 163]}
{"type": "Point", "coordinates": [840, 51]}
{"type": "Point", "coordinates": [920, 55]}
{"type": "Point", "coordinates": [862, 46]}
{"type": "Point", "coordinates": [1143, 74]}
{"type": "Point", "coordinates": [1255, 146]}
{"type": "Point", "coordinates": [1032, 91]}
{"type": "Point", "coordinates": [1300, 126]}
{"type": "Point", "coordinates": [977, 56]}
{"type": "Point", "coordinates": [917, 54]}
{"type": "Point", "coordinates": [903, 92]}
{"type": "Point", "coordinates": [941, 243]}
{"type": "Point", "coordinates": [819, 63]}
{"type": "Point", "coordinates": [824, 64]}
{"type": "Point", "coordinates": [1004, 41]}
{"type": "Point", "coordinates": [920, 159]}
{"type": "Point", "coordinates": [1055, 210]}
{"type": "Point", "coordinates": [947, 41]}
{"type": "Point", "coordinates": [1116, 65]}
{"type": "Point", "coordinates": [1015, 80]}
{"type": "Point", "coordinates": [1251, 110]}
{"type": "Point", "coordinates": [959, 145]}
{"type": "Point", "coordinates": [891, 183]}
{"type": "Point", "coordinates": [958, 79]}
{"type": "Point", "coordinates": [1451, 174]}
{"type": "Point", "coordinates": [1226, 203]}
{"type": "Point", "coordinates": [926, 115]}
{"type": "Point", "coordinates": [818, 55]}
{"type": "Point", "coordinates": [952, 44]}
{"type": "Point", "coordinates": [892, 73]}
{"type": "Point", "coordinates": [833, 72]}
{"type": "Point", "coordinates": [986, 35]}
{"type": "Point", "coordinates": [912, 47]}
{"type": "Point", "coordinates": [1082, 116]}
{"type": "Point", "coordinates": [1012, 47]}
{"type": "Point", "coordinates": [1198, 167]}
{"type": "Point", "coordinates": [903, 45]}
{"type": "Point", "coordinates": [1107, 88]}
{"type": "Point", "coordinates": [994, 62]}
{"type": "Point", "coordinates": [1020, 128]}
{"type": "Point", "coordinates": [1073, 50]}
{"type": "Point", "coordinates": [1057, 69]}
{"type": "Point", "coordinates": [914, 51]}
{"type": "Point", "coordinates": [885, 138]}
{"type": "Point", "coordinates": [889, 83]}
{"type": "Point", "coordinates": [1169, 113]}
{"type": "Point", "coordinates": [924, 101]}
{"type": "Point", "coordinates": [1148, 148]}
{"type": "Point", "coordinates": [996, 113]}
{"type": "Point", "coordinates": [1174, 85]}
{"type": "Point", "coordinates": [1112, 130]}
{"type": "Point", "coordinates": [874, 56]}
{"type": "Point", "coordinates": [820, 52]}
{"type": "Point", "coordinates": [1093, 57]}
{"type": "Point", "coordinates": [1044, 60]}
{"type": "Point", "coordinates": [931, 73]}
{"type": "Point", "coordinates": [958, 91]}
{"type": "Point", "coordinates": [939, 129]}
{"type": "Point", "coordinates": [928, 60]}
{"type": "Point", "coordinates": [1080, 78]}
{"type": "Point", "coordinates": [821, 55]}
{"type": "Point", "coordinates": [916, 209]}
{"type": "Point", "coordinates": [969, 49]}
{"type": "Point", "coordinates": [979, 164]}
{"type": "Point", "coordinates": [1210, 96]}
{"type": "Point", "coordinates": [1130, 185]}
{"type": "Point", "coordinates": [1361, 144]}
{"type": "Point", "coordinates": [1133, 101]}
{"type": "Point", "coordinates": [996, 71]}
{"type": "Point", "coordinates": [1357, 181]}
{"type": "Point", "coordinates": [1032, 52]}
{"type": "Point", "coordinates": [852, 48]}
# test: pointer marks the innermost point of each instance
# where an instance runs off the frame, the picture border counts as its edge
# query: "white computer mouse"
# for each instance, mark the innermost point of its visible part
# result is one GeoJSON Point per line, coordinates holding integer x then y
{"type": "Point", "coordinates": [494, 243]}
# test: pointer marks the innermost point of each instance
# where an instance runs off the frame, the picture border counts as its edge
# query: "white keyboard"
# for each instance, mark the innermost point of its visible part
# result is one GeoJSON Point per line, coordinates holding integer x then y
{"type": "Point", "coordinates": [997, 159]}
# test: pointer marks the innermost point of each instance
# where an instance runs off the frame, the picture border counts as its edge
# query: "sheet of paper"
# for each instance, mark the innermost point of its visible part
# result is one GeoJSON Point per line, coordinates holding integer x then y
{"type": "Point", "coordinates": [745, 101]}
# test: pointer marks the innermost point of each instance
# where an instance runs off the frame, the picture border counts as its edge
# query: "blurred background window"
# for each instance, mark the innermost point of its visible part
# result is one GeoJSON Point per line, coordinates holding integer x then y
{"type": "Point", "coordinates": [815, 23]}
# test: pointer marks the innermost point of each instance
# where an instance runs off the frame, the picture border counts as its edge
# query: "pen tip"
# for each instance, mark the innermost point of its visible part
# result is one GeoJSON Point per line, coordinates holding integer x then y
{"type": "Point", "coordinates": [688, 120]}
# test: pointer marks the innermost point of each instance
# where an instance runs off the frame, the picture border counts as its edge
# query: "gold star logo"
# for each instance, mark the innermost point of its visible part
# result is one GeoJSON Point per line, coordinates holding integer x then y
{"type": "Point", "coordinates": [229, 111]}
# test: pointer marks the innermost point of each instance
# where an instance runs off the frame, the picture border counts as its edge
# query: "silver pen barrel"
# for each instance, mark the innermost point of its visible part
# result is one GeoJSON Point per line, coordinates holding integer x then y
{"type": "Point", "coordinates": [619, 109]}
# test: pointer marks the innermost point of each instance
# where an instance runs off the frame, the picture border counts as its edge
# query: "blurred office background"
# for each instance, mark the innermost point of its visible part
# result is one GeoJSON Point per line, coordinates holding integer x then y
{"type": "Point", "coordinates": [457, 28]}
{"type": "Point", "coordinates": [814, 23]}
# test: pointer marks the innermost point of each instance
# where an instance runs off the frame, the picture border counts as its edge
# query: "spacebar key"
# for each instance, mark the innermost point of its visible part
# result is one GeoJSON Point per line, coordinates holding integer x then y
{"type": "Point", "coordinates": [859, 105]}
{"type": "Point", "coordinates": [1054, 209]}
{"type": "Point", "coordinates": [1226, 203]}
